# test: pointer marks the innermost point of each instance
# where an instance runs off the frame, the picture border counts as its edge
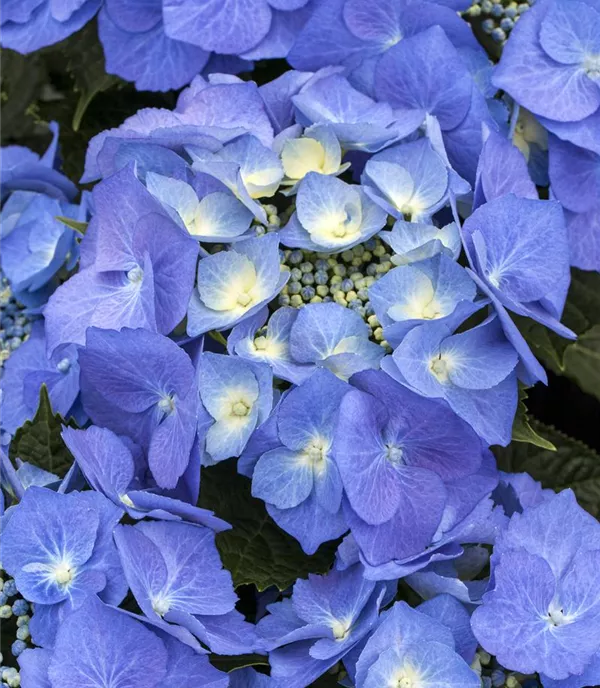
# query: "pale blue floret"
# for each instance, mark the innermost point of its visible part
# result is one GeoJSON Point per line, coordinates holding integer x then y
{"type": "Point", "coordinates": [218, 216]}
{"type": "Point", "coordinates": [331, 216]}
{"type": "Point", "coordinates": [270, 343]}
{"type": "Point", "coordinates": [410, 179]}
{"type": "Point", "coordinates": [316, 150]}
{"type": "Point", "coordinates": [235, 284]}
{"type": "Point", "coordinates": [413, 242]}
{"type": "Point", "coordinates": [246, 167]}
{"type": "Point", "coordinates": [237, 396]}
{"type": "Point", "coordinates": [437, 289]}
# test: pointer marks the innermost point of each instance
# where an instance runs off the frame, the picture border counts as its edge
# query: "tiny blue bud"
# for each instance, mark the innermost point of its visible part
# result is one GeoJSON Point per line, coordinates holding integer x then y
{"type": "Point", "coordinates": [10, 587]}
{"type": "Point", "coordinates": [20, 607]}
{"type": "Point", "coordinates": [17, 647]}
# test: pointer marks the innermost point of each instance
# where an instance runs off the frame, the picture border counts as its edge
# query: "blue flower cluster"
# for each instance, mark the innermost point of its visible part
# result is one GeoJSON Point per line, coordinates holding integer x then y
{"type": "Point", "coordinates": [316, 279]}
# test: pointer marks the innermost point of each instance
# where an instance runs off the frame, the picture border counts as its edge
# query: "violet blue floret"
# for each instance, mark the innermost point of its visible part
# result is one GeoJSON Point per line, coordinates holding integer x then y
{"type": "Point", "coordinates": [543, 591]}
{"type": "Point", "coordinates": [60, 551]}
{"type": "Point", "coordinates": [142, 385]}
{"type": "Point", "coordinates": [297, 476]}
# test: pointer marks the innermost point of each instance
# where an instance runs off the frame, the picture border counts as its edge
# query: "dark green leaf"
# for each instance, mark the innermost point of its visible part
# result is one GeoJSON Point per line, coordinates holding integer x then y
{"type": "Point", "coordinates": [573, 465]}
{"type": "Point", "coordinates": [79, 227]}
{"type": "Point", "coordinates": [578, 360]}
{"type": "Point", "coordinates": [232, 662]}
{"type": "Point", "coordinates": [85, 63]}
{"type": "Point", "coordinates": [38, 441]}
{"type": "Point", "coordinates": [256, 550]}
{"type": "Point", "coordinates": [523, 431]}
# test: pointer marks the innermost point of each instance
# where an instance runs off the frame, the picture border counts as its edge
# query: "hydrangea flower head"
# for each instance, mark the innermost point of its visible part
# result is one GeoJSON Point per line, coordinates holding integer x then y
{"type": "Point", "coordinates": [413, 241]}
{"type": "Point", "coordinates": [543, 591]}
{"type": "Point", "coordinates": [235, 284]}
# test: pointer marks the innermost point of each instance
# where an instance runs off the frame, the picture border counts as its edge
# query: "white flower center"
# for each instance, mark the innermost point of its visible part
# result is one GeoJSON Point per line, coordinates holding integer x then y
{"type": "Point", "coordinates": [135, 275]}
{"type": "Point", "coordinates": [167, 404]}
{"type": "Point", "coordinates": [63, 573]}
{"type": "Point", "coordinates": [439, 368]}
{"type": "Point", "coordinates": [341, 628]}
{"type": "Point", "coordinates": [394, 454]}
{"type": "Point", "coordinates": [240, 409]}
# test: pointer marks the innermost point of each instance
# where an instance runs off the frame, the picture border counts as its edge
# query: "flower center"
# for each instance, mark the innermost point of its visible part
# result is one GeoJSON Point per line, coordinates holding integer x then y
{"type": "Point", "coordinates": [135, 275]}
{"type": "Point", "coordinates": [161, 605]}
{"type": "Point", "coordinates": [341, 628]}
{"type": "Point", "coordinates": [240, 409]}
{"type": "Point", "coordinates": [394, 454]}
{"type": "Point", "coordinates": [591, 66]}
{"type": "Point", "coordinates": [167, 404]}
{"type": "Point", "coordinates": [63, 573]}
{"type": "Point", "coordinates": [63, 366]}
{"type": "Point", "coordinates": [439, 368]}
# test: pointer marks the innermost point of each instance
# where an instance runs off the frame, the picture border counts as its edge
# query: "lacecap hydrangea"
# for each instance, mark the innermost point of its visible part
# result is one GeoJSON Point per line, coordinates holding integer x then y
{"type": "Point", "coordinates": [317, 282]}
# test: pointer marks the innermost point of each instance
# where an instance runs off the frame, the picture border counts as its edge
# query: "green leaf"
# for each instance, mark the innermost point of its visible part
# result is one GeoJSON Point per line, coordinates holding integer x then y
{"type": "Point", "coordinates": [582, 361]}
{"type": "Point", "coordinates": [38, 441]}
{"type": "Point", "coordinates": [232, 662]}
{"type": "Point", "coordinates": [79, 227]}
{"type": "Point", "coordinates": [573, 465]}
{"type": "Point", "coordinates": [85, 63]}
{"type": "Point", "coordinates": [522, 430]}
{"type": "Point", "coordinates": [578, 360]}
{"type": "Point", "coordinates": [256, 550]}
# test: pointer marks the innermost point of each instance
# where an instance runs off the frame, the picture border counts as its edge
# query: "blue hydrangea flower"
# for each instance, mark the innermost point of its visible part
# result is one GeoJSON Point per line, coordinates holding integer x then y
{"type": "Point", "coordinates": [395, 452]}
{"type": "Point", "coordinates": [112, 465]}
{"type": "Point", "coordinates": [142, 385]}
{"type": "Point", "coordinates": [188, 585]}
{"type": "Point", "coordinates": [99, 646]}
{"type": "Point", "coordinates": [408, 179]}
{"type": "Point", "coordinates": [246, 167]}
{"type": "Point", "coordinates": [317, 150]}
{"type": "Point", "coordinates": [544, 591]}
{"type": "Point", "coordinates": [575, 179]}
{"type": "Point", "coordinates": [411, 648]}
{"type": "Point", "coordinates": [324, 619]}
{"type": "Point", "coordinates": [474, 371]}
{"type": "Point", "coordinates": [208, 114]}
{"type": "Point", "coordinates": [436, 289]}
{"type": "Point", "coordinates": [137, 267]}
{"type": "Point", "coordinates": [330, 336]}
{"type": "Point", "coordinates": [451, 613]}
{"type": "Point", "coordinates": [501, 170]}
{"type": "Point", "coordinates": [59, 549]}
{"type": "Point", "coordinates": [297, 477]}
{"type": "Point", "coordinates": [507, 243]}
{"type": "Point", "coordinates": [35, 245]}
{"type": "Point", "coordinates": [331, 216]}
{"type": "Point", "coordinates": [359, 122]}
{"type": "Point", "coordinates": [27, 369]}
{"type": "Point", "coordinates": [270, 343]}
{"type": "Point", "coordinates": [233, 28]}
{"type": "Point", "coordinates": [551, 65]}
{"type": "Point", "coordinates": [28, 25]}
{"type": "Point", "coordinates": [23, 170]}
{"type": "Point", "coordinates": [236, 397]}
{"type": "Point", "coordinates": [347, 32]}
{"type": "Point", "coordinates": [414, 241]}
{"type": "Point", "coordinates": [216, 216]}
{"type": "Point", "coordinates": [235, 284]}
{"type": "Point", "coordinates": [137, 48]}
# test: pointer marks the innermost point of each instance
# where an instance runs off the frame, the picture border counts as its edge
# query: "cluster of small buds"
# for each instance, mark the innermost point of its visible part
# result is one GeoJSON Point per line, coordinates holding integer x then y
{"type": "Point", "coordinates": [15, 613]}
{"type": "Point", "coordinates": [497, 17]}
{"type": "Point", "coordinates": [343, 278]}
{"type": "Point", "coordinates": [14, 324]}
{"type": "Point", "coordinates": [495, 676]}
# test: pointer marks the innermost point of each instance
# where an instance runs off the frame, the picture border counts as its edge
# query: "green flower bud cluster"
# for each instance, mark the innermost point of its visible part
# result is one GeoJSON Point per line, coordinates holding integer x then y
{"type": "Point", "coordinates": [493, 675]}
{"type": "Point", "coordinates": [15, 614]}
{"type": "Point", "coordinates": [15, 327]}
{"type": "Point", "coordinates": [343, 278]}
{"type": "Point", "coordinates": [497, 17]}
